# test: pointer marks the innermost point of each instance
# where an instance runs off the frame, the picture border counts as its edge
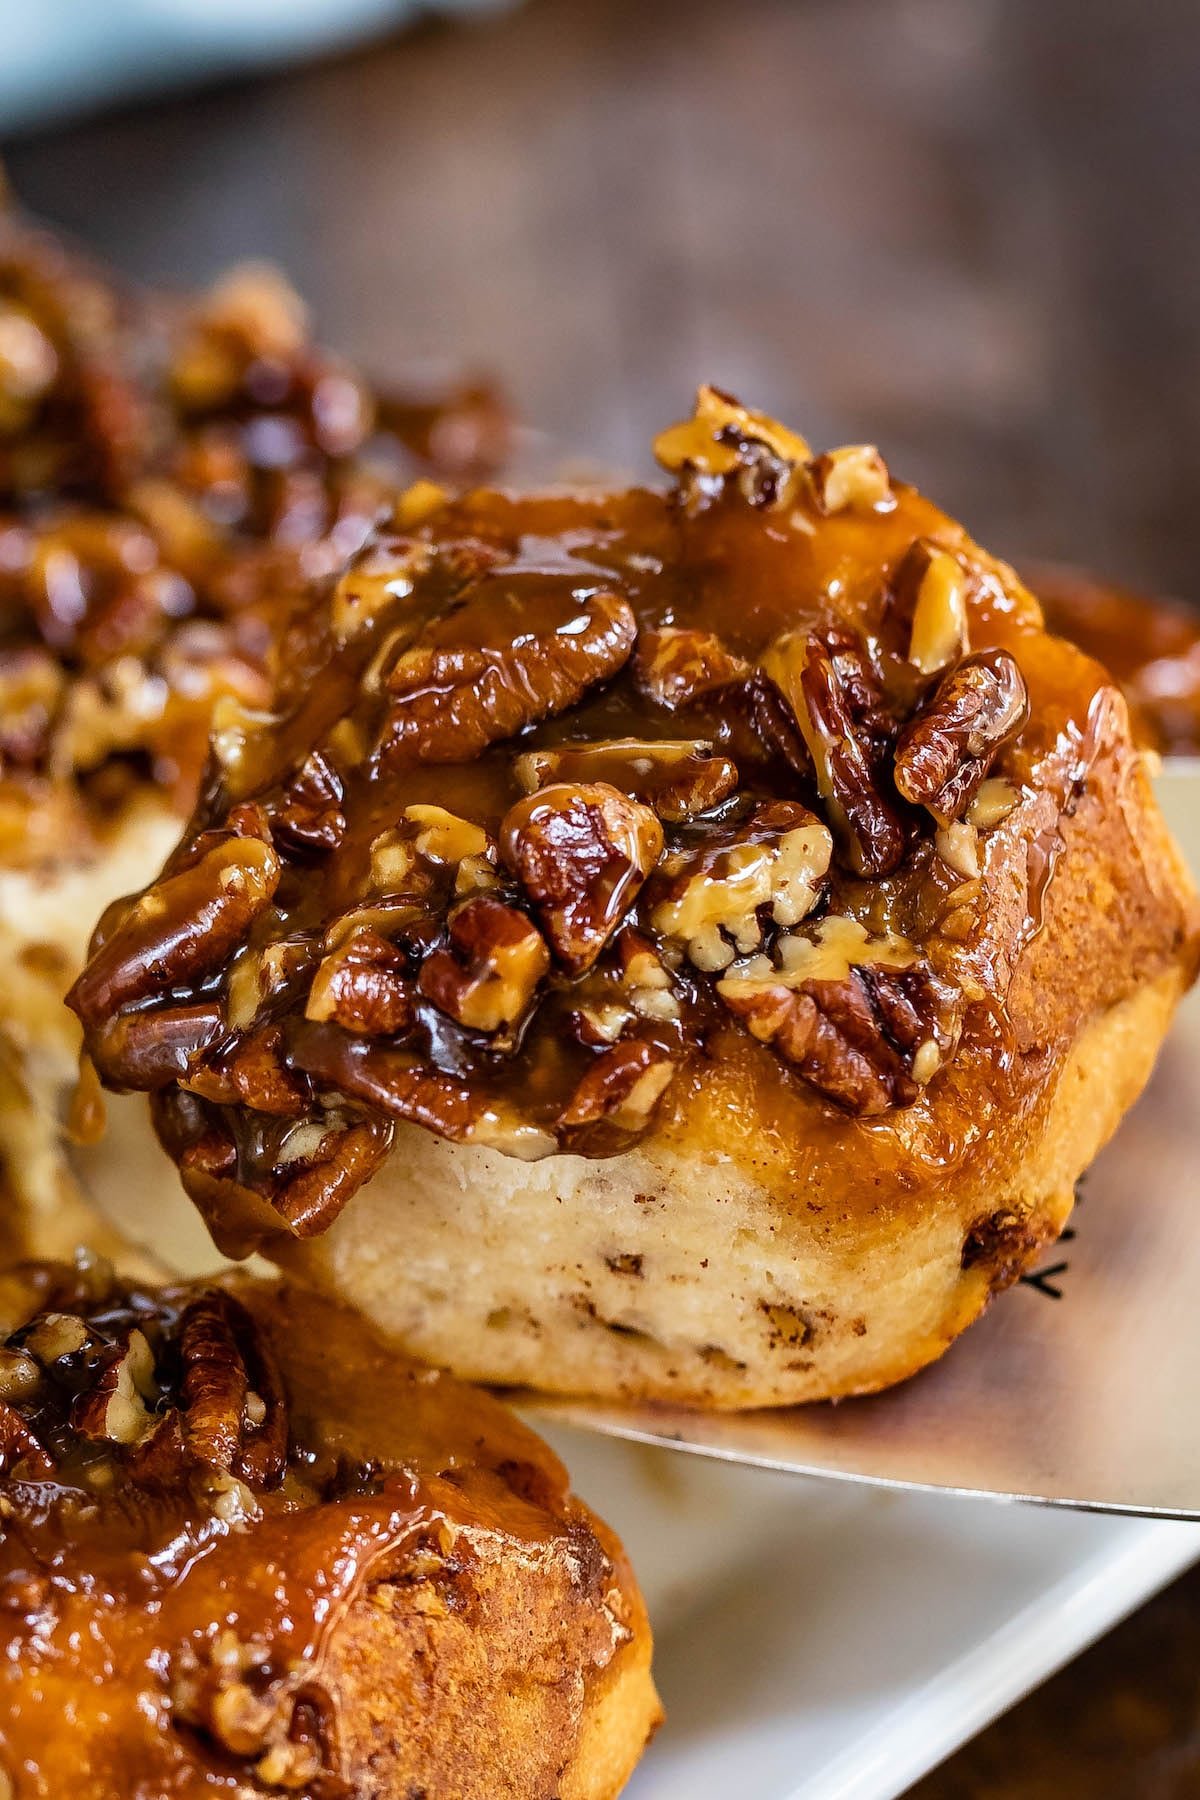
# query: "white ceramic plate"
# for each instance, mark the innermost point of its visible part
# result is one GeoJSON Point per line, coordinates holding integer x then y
{"type": "Point", "coordinates": [824, 1641]}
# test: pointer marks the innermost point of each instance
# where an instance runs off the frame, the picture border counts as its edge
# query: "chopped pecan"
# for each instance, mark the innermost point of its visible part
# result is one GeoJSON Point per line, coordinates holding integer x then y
{"type": "Point", "coordinates": [452, 697]}
{"type": "Point", "coordinates": [645, 979]}
{"type": "Point", "coordinates": [855, 1015]}
{"type": "Point", "coordinates": [852, 478]}
{"type": "Point", "coordinates": [258, 1075]}
{"type": "Point", "coordinates": [442, 837]}
{"type": "Point", "coordinates": [363, 986]}
{"type": "Point", "coordinates": [115, 1408]}
{"type": "Point", "coordinates": [622, 1086]}
{"type": "Point", "coordinates": [724, 438]}
{"type": "Point", "coordinates": [674, 665]}
{"type": "Point", "coordinates": [19, 1375]}
{"type": "Point", "coordinates": [486, 978]}
{"type": "Point", "coordinates": [180, 930]}
{"type": "Point", "coordinates": [869, 831]}
{"type": "Point", "coordinates": [384, 574]}
{"type": "Point", "coordinates": [20, 1448]}
{"type": "Point", "coordinates": [930, 590]}
{"type": "Point", "coordinates": [677, 777]}
{"type": "Point", "coordinates": [943, 755]}
{"type": "Point", "coordinates": [310, 816]}
{"type": "Point", "coordinates": [582, 855]}
{"type": "Point", "coordinates": [710, 899]}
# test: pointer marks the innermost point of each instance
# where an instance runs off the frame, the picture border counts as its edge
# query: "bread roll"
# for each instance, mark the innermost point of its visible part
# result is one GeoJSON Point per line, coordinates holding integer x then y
{"type": "Point", "coordinates": [247, 1547]}
{"type": "Point", "coordinates": [673, 944]}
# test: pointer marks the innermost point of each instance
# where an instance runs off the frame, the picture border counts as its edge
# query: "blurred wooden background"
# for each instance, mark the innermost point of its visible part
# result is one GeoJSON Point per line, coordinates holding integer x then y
{"type": "Point", "coordinates": [966, 228]}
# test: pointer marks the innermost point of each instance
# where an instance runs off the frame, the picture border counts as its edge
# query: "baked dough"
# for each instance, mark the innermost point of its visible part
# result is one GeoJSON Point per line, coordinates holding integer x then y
{"type": "Point", "coordinates": [246, 1546]}
{"type": "Point", "coordinates": [674, 944]}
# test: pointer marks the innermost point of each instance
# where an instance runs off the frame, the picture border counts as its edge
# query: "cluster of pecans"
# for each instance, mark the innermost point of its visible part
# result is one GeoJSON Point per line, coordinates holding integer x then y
{"type": "Point", "coordinates": [330, 952]}
{"type": "Point", "coordinates": [171, 479]}
{"type": "Point", "coordinates": [176, 1390]}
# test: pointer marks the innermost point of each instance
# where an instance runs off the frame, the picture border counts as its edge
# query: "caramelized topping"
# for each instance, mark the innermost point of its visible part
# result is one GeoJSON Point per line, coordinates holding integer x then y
{"type": "Point", "coordinates": [217, 1499]}
{"type": "Point", "coordinates": [598, 788]}
{"type": "Point", "coordinates": [171, 479]}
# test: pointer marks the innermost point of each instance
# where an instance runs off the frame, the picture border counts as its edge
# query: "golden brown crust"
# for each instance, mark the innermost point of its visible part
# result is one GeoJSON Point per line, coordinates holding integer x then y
{"type": "Point", "coordinates": [310, 1567]}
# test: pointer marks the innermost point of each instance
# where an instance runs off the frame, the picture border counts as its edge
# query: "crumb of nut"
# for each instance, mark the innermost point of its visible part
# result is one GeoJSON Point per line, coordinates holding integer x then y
{"type": "Point", "coordinates": [289, 1765]}
{"type": "Point", "coordinates": [926, 1063]}
{"type": "Point", "coordinates": [645, 979]}
{"type": "Point", "coordinates": [852, 478]}
{"type": "Point", "coordinates": [958, 846]}
{"type": "Point", "coordinates": [228, 1498]}
{"type": "Point", "coordinates": [932, 585]}
{"type": "Point", "coordinates": [236, 733]}
{"type": "Point", "coordinates": [582, 853]}
{"type": "Point", "coordinates": [442, 837]}
{"type": "Point", "coordinates": [495, 960]}
{"type": "Point", "coordinates": [393, 862]}
{"type": "Point", "coordinates": [475, 874]}
{"type": "Point", "coordinates": [992, 804]}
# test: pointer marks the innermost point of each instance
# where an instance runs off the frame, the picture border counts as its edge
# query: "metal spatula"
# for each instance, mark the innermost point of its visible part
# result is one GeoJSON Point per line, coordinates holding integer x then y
{"type": "Point", "coordinates": [1080, 1387]}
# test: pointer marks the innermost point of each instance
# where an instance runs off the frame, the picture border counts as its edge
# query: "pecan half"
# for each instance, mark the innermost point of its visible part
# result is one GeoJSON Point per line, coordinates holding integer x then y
{"type": "Point", "coordinates": [234, 1409]}
{"type": "Point", "coordinates": [943, 755]}
{"type": "Point", "coordinates": [622, 1086]}
{"type": "Point", "coordinates": [677, 777]}
{"type": "Point", "coordinates": [870, 834]}
{"type": "Point", "coordinates": [674, 666]}
{"type": "Point", "coordinates": [144, 1050]}
{"type": "Point", "coordinates": [582, 855]}
{"type": "Point", "coordinates": [863, 1019]}
{"type": "Point", "coordinates": [364, 986]}
{"type": "Point", "coordinates": [182, 929]}
{"type": "Point", "coordinates": [486, 978]}
{"type": "Point", "coordinates": [710, 899]}
{"type": "Point", "coordinates": [450, 699]}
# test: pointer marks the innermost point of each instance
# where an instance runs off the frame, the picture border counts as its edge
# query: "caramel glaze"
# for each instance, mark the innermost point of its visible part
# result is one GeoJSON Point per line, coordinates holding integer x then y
{"type": "Point", "coordinates": [1152, 646]}
{"type": "Point", "coordinates": [748, 547]}
{"type": "Point", "coordinates": [171, 477]}
{"type": "Point", "coordinates": [175, 1623]}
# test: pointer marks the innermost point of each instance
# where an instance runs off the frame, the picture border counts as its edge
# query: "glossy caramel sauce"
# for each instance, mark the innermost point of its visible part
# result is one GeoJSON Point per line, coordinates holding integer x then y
{"type": "Point", "coordinates": [417, 686]}
{"type": "Point", "coordinates": [171, 477]}
{"type": "Point", "coordinates": [1152, 646]}
{"type": "Point", "coordinates": [171, 1627]}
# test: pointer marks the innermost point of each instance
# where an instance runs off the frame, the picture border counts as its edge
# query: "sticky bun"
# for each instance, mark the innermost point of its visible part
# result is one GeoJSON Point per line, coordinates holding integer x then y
{"type": "Point", "coordinates": [246, 1548]}
{"type": "Point", "coordinates": [675, 943]}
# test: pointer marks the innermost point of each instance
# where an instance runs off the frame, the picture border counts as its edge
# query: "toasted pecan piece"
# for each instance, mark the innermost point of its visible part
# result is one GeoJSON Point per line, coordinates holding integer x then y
{"type": "Point", "coordinates": [486, 977]}
{"type": "Point", "coordinates": [944, 755]}
{"type": "Point", "coordinates": [581, 853]}
{"type": "Point", "coordinates": [865, 1021]}
{"type": "Point", "coordinates": [675, 665]}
